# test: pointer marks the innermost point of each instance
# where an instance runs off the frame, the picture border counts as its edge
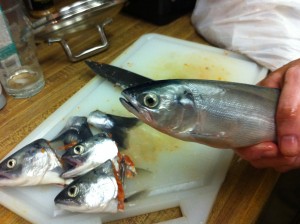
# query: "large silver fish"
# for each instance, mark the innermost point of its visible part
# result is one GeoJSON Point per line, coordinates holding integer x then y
{"type": "Point", "coordinates": [214, 113]}
{"type": "Point", "coordinates": [99, 190]}
{"type": "Point", "coordinates": [34, 164]}
{"type": "Point", "coordinates": [89, 154]}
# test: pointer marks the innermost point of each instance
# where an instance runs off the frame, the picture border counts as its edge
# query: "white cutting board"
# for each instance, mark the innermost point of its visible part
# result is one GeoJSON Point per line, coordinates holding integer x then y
{"type": "Point", "coordinates": [182, 174]}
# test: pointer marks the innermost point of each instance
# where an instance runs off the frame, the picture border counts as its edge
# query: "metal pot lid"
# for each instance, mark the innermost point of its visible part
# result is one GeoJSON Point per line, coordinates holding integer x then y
{"type": "Point", "coordinates": [76, 17]}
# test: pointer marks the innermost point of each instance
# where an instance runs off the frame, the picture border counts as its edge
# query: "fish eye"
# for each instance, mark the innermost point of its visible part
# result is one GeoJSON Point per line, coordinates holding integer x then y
{"type": "Point", "coordinates": [78, 149]}
{"type": "Point", "coordinates": [73, 191]}
{"type": "Point", "coordinates": [151, 100]}
{"type": "Point", "coordinates": [11, 163]}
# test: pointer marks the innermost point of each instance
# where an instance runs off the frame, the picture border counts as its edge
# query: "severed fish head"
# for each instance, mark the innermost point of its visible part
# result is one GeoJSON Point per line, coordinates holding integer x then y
{"type": "Point", "coordinates": [99, 190]}
{"type": "Point", "coordinates": [34, 164]}
{"type": "Point", "coordinates": [116, 126]}
{"type": "Point", "coordinates": [89, 154]}
{"type": "Point", "coordinates": [75, 131]}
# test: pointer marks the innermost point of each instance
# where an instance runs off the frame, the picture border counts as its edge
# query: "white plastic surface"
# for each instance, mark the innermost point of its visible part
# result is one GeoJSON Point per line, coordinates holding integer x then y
{"type": "Point", "coordinates": [178, 173]}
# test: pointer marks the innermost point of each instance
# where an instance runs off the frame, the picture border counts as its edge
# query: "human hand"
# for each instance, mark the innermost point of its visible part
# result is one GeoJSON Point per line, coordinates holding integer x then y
{"type": "Point", "coordinates": [283, 155]}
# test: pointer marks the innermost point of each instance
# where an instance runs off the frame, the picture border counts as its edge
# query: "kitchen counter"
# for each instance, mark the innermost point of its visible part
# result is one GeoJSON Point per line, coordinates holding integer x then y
{"type": "Point", "coordinates": [245, 189]}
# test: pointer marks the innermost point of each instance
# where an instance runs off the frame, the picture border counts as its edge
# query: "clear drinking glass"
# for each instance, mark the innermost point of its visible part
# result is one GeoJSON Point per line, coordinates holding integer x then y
{"type": "Point", "coordinates": [20, 72]}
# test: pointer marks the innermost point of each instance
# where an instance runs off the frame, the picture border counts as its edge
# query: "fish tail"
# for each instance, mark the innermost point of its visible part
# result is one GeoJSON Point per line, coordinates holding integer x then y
{"type": "Point", "coordinates": [125, 122]}
{"type": "Point", "coordinates": [120, 131]}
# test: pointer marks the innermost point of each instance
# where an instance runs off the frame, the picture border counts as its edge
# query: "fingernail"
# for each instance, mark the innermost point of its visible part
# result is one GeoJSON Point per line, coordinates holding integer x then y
{"type": "Point", "coordinates": [289, 145]}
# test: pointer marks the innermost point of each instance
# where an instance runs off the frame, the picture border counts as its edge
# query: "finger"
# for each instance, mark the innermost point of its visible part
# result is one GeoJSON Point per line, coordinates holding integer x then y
{"type": "Point", "coordinates": [286, 168]}
{"type": "Point", "coordinates": [288, 114]}
{"type": "Point", "coordinates": [283, 169]}
{"type": "Point", "coordinates": [279, 163]}
{"type": "Point", "coordinates": [295, 164]}
{"type": "Point", "coordinates": [259, 151]}
{"type": "Point", "coordinates": [274, 79]}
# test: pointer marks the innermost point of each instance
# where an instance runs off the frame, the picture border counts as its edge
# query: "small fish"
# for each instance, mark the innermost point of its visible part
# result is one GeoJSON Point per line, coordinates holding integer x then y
{"type": "Point", "coordinates": [88, 154]}
{"type": "Point", "coordinates": [75, 131]}
{"type": "Point", "coordinates": [116, 126]}
{"type": "Point", "coordinates": [99, 190]}
{"type": "Point", "coordinates": [34, 164]}
{"type": "Point", "coordinates": [214, 113]}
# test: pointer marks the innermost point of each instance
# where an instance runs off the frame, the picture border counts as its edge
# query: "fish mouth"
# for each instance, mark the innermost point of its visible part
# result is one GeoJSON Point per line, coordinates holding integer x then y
{"type": "Point", "coordinates": [126, 102]}
{"type": "Point", "coordinates": [78, 170]}
{"type": "Point", "coordinates": [71, 161]}
{"type": "Point", "coordinates": [4, 176]}
{"type": "Point", "coordinates": [70, 165]}
{"type": "Point", "coordinates": [62, 203]}
{"type": "Point", "coordinates": [133, 107]}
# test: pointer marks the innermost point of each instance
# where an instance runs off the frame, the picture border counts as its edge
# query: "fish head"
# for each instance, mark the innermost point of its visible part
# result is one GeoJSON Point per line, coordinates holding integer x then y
{"type": "Point", "coordinates": [100, 120]}
{"type": "Point", "coordinates": [11, 168]}
{"type": "Point", "coordinates": [76, 155]}
{"type": "Point", "coordinates": [96, 191]}
{"type": "Point", "coordinates": [117, 127]}
{"type": "Point", "coordinates": [28, 165]}
{"type": "Point", "coordinates": [80, 125]}
{"type": "Point", "coordinates": [166, 105]}
{"type": "Point", "coordinates": [75, 130]}
{"type": "Point", "coordinates": [87, 155]}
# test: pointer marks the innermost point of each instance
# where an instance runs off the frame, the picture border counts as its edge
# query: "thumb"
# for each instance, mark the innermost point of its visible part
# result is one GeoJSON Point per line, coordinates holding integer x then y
{"type": "Point", "coordinates": [288, 113]}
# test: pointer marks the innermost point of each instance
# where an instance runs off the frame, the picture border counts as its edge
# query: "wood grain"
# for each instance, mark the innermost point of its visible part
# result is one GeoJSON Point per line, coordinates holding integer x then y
{"type": "Point", "coordinates": [244, 190]}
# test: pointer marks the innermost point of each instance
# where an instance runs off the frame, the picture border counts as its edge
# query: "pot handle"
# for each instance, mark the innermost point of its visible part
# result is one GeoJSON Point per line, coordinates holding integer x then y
{"type": "Point", "coordinates": [86, 53]}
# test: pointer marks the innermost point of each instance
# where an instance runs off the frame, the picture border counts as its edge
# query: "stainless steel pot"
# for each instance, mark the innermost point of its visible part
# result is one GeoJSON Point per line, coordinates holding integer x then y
{"type": "Point", "coordinates": [79, 16]}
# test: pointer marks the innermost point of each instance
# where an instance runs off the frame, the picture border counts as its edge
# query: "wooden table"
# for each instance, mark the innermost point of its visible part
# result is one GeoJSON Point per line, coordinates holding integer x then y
{"type": "Point", "coordinates": [244, 190]}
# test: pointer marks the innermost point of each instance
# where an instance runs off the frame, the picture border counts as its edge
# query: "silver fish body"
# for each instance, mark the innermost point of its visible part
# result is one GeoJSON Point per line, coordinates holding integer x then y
{"type": "Point", "coordinates": [214, 113]}
{"type": "Point", "coordinates": [89, 154]}
{"type": "Point", "coordinates": [33, 164]}
{"type": "Point", "coordinates": [96, 191]}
